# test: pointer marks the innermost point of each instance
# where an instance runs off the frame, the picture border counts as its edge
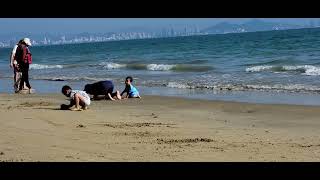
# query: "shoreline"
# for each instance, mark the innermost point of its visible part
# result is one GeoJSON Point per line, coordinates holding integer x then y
{"type": "Point", "coordinates": [156, 128]}
{"type": "Point", "coordinates": [165, 97]}
{"type": "Point", "coordinates": [43, 87]}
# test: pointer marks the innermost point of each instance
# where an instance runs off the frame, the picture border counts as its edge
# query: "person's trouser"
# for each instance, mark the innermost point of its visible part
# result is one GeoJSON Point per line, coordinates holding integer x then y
{"type": "Point", "coordinates": [25, 75]}
{"type": "Point", "coordinates": [16, 79]}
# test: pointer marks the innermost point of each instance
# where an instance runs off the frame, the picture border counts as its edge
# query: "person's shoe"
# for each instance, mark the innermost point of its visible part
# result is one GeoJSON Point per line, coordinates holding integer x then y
{"type": "Point", "coordinates": [22, 91]}
{"type": "Point", "coordinates": [31, 91]}
{"type": "Point", "coordinates": [76, 109]}
{"type": "Point", "coordinates": [85, 107]}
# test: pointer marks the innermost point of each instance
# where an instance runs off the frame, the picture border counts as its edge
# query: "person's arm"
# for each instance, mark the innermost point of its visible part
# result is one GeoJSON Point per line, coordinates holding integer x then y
{"type": "Point", "coordinates": [126, 90]}
{"type": "Point", "coordinates": [109, 95]}
{"type": "Point", "coordinates": [95, 97]}
{"type": "Point", "coordinates": [123, 92]}
{"type": "Point", "coordinates": [72, 103]}
{"type": "Point", "coordinates": [11, 60]}
{"type": "Point", "coordinates": [13, 53]}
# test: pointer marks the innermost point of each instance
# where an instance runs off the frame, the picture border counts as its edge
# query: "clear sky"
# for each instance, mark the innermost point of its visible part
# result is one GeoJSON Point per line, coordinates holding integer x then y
{"type": "Point", "coordinates": [96, 25]}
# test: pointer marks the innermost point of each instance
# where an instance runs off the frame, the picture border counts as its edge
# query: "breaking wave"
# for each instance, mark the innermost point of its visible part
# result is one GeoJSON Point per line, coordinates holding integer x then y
{"type": "Point", "coordinates": [44, 66]}
{"type": "Point", "coordinates": [157, 67]}
{"type": "Point", "coordinates": [244, 87]}
{"type": "Point", "coordinates": [309, 70]}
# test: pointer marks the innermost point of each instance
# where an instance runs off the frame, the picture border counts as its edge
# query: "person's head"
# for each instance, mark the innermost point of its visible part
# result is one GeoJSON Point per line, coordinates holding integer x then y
{"type": "Point", "coordinates": [20, 42]}
{"type": "Point", "coordinates": [88, 88]}
{"type": "Point", "coordinates": [66, 90]}
{"type": "Point", "coordinates": [128, 80]}
{"type": "Point", "coordinates": [27, 41]}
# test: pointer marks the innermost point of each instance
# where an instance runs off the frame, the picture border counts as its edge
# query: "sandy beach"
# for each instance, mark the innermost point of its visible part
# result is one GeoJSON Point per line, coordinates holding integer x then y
{"type": "Point", "coordinates": [155, 128]}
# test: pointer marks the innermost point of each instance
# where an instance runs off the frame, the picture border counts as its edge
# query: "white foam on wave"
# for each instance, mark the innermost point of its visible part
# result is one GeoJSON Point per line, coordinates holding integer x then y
{"type": "Point", "coordinates": [307, 69]}
{"type": "Point", "coordinates": [44, 66]}
{"type": "Point", "coordinates": [244, 87]}
{"type": "Point", "coordinates": [160, 67]}
{"type": "Point", "coordinates": [178, 85]}
{"type": "Point", "coordinates": [258, 68]}
{"type": "Point", "coordinates": [280, 87]}
{"type": "Point", "coordinates": [150, 67]}
{"type": "Point", "coordinates": [111, 65]}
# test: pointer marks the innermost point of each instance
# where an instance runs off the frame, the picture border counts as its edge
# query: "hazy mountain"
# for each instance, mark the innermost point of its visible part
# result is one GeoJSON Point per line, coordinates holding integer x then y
{"type": "Point", "coordinates": [140, 32]}
{"type": "Point", "coordinates": [250, 26]}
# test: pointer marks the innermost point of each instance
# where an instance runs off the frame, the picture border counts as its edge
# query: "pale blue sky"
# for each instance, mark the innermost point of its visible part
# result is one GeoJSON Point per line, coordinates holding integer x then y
{"type": "Point", "coordinates": [94, 25]}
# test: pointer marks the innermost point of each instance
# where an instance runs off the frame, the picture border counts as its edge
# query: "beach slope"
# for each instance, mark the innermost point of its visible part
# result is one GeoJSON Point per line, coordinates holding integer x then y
{"type": "Point", "coordinates": [155, 128]}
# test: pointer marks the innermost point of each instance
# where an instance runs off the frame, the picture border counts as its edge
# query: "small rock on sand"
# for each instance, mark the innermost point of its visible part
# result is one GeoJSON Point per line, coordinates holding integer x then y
{"type": "Point", "coordinates": [81, 126]}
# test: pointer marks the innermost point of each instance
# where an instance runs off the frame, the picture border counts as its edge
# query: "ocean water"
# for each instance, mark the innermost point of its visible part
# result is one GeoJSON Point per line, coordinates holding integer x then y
{"type": "Point", "coordinates": [266, 67]}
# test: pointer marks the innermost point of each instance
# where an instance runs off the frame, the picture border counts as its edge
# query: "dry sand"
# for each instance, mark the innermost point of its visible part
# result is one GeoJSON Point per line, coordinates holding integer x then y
{"type": "Point", "coordinates": [156, 129]}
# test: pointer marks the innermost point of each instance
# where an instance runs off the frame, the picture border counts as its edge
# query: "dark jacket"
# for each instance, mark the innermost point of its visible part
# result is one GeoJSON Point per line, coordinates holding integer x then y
{"type": "Point", "coordinates": [99, 88]}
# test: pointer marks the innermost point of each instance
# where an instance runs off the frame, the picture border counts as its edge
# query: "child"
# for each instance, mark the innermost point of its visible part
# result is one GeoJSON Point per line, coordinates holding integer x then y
{"type": "Point", "coordinates": [131, 91]}
{"type": "Point", "coordinates": [102, 88]}
{"type": "Point", "coordinates": [77, 97]}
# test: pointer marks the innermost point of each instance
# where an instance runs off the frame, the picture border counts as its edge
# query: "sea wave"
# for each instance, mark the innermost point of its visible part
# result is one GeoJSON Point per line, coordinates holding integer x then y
{"type": "Point", "coordinates": [44, 66]}
{"type": "Point", "coordinates": [132, 66]}
{"type": "Point", "coordinates": [157, 67]}
{"type": "Point", "coordinates": [69, 78]}
{"type": "Point", "coordinates": [110, 65]}
{"type": "Point", "coordinates": [272, 62]}
{"type": "Point", "coordinates": [160, 67]}
{"type": "Point", "coordinates": [178, 85]}
{"type": "Point", "coordinates": [303, 69]}
{"type": "Point", "coordinates": [197, 62]}
{"type": "Point", "coordinates": [201, 86]}
{"type": "Point", "coordinates": [258, 68]}
{"type": "Point", "coordinates": [245, 87]}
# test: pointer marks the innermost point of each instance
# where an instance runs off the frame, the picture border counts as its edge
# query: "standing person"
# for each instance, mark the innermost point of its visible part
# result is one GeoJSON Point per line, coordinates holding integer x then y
{"type": "Point", "coordinates": [24, 59]}
{"type": "Point", "coordinates": [16, 71]}
{"type": "Point", "coordinates": [102, 88]}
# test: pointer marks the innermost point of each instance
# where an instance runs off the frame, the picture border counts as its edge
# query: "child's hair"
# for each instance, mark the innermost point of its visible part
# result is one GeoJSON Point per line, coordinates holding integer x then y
{"type": "Point", "coordinates": [130, 78]}
{"type": "Point", "coordinates": [65, 88]}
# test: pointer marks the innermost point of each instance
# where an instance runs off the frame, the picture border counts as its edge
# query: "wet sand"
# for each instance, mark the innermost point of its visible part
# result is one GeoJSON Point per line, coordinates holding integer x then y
{"type": "Point", "coordinates": [155, 128]}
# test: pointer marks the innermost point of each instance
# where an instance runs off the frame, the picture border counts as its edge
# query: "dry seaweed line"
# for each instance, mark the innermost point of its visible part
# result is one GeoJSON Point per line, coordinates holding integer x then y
{"type": "Point", "coordinates": [195, 140]}
{"type": "Point", "coordinates": [121, 125]}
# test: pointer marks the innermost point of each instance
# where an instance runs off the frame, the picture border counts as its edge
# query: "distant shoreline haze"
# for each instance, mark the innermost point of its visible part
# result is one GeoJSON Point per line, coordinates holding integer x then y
{"type": "Point", "coordinates": [39, 39]}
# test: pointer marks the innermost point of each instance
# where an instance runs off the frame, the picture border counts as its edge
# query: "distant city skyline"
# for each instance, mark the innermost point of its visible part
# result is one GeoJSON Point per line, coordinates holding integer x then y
{"type": "Point", "coordinates": [104, 25]}
{"type": "Point", "coordinates": [188, 27]}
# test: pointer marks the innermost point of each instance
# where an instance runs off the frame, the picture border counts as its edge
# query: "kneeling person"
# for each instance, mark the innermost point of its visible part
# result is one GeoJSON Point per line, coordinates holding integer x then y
{"type": "Point", "coordinates": [77, 98]}
{"type": "Point", "coordinates": [102, 88]}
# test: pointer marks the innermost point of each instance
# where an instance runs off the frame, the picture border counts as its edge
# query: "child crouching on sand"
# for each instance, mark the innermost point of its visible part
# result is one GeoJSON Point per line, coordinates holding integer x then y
{"type": "Point", "coordinates": [131, 91]}
{"type": "Point", "coordinates": [77, 98]}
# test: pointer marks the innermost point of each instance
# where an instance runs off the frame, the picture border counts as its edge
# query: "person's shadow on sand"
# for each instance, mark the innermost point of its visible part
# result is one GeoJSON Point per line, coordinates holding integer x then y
{"type": "Point", "coordinates": [98, 98]}
{"type": "Point", "coordinates": [48, 108]}
{"type": "Point", "coordinates": [62, 107]}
